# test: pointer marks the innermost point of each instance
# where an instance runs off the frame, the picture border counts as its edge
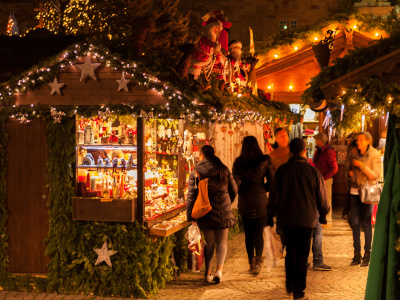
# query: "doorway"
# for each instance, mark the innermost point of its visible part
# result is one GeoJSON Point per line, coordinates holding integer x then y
{"type": "Point", "coordinates": [27, 195]}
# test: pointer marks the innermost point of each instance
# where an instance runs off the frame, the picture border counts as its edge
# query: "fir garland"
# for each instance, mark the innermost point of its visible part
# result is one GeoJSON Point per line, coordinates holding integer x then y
{"type": "Point", "coordinates": [180, 94]}
{"type": "Point", "coordinates": [369, 96]}
{"type": "Point", "coordinates": [307, 33]}
{"type": "Point", "coordinates": [3, 204]}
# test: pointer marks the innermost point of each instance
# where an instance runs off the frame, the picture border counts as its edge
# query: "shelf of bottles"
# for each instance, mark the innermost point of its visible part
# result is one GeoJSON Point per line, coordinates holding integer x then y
{"type": "Point", "coordinates": [106, 169]}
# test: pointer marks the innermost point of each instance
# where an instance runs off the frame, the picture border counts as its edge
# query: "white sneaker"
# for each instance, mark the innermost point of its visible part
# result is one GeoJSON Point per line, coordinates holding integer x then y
{"type": "Point", "coordinates": [217, 276]}
{"type": "Point", "coordinates": [208, 278]}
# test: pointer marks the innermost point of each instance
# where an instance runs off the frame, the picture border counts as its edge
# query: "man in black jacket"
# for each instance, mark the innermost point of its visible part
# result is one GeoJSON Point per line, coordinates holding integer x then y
{"type": "Point", "coordinates": [297, 192]}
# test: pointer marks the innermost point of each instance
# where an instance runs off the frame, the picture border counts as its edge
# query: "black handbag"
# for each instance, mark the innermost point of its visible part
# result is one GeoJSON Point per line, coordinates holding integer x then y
{"type": "Point", "coordinates": [370, 194]}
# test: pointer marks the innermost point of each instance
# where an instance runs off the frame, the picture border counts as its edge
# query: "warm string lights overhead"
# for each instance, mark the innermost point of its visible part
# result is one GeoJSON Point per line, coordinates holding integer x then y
{"type": "Point", "coordinates": [179, 104]}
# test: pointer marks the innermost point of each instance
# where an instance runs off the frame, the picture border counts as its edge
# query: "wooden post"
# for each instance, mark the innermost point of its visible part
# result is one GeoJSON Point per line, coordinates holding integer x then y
{"type": "Point", "coordinates": [181, 163]}
{"type": "Point", "coordinates": [140, 171]}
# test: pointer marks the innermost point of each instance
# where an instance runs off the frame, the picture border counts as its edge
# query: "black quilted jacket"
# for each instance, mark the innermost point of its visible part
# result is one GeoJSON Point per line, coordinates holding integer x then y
{"type": "Point", "coordinates": [221, 197]}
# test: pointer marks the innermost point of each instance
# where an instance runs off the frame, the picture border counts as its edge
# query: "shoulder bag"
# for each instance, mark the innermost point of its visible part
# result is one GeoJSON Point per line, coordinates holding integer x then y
{"type": "Point", "coordinates": [202, 204]}
{"type": "Point", "coordinates": [370, 194]}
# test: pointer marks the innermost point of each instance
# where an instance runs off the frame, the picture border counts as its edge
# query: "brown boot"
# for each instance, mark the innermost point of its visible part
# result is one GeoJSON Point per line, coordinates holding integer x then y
{"type": "Point", "coordinates": [252, 262]}
{"type": "Point", "coordinates": [357, 259]}
{"type": "Point", "coordinates": [257, 266]}
{"type": "Point", "coordinates": [365, 260]}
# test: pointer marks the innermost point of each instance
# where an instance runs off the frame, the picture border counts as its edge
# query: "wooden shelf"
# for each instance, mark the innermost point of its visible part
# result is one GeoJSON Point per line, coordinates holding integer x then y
{"type": "Point", "coordinates": [107, 146]}
{"type": "Point", "coordinates": [93, 209]}
{"type": "Point", "coordinates": [164, 232]}
{"type": "Point", "coordinates": [165, 216]}
{"type": "Point", "coordinates": [311, 121]}
{"type": "Point", "coordinates": [102, 167]}
{"type": "Point", "coordinates": [162, 153]}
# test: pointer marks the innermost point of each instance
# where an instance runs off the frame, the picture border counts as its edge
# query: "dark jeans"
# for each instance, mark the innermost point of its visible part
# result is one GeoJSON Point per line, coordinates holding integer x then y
{"type": "Point", "coordinates": [318, 257]}
{"type": "Point", "coordinates": [298, 243]}
{"type": "Point", "coordinates": [253, 232]}
{"type": "Point", "coordinates": [361, 214]}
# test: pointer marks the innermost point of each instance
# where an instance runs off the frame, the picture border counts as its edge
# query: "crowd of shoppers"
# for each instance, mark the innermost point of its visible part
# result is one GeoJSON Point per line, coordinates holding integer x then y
{"type": "Point", "coordinates": [261, 183]}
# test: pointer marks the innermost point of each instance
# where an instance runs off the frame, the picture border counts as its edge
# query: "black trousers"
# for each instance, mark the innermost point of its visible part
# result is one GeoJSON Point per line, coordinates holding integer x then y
{"type": "Point", "coordinates": [253, 232]}
{"type": "Point", "coordinates": [298, 242]}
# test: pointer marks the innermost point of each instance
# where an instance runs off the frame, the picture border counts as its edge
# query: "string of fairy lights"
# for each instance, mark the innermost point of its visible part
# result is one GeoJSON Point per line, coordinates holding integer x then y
{"type": "Point", "coordinates": [179, 105]}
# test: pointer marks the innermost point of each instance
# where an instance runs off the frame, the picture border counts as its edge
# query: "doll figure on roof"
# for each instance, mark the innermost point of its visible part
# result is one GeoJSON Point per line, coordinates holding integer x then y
{"type": "Point", "coordinates": [238, 69]}
{"type": "Point", "coordinates": [208, 47]}
{"type": "Point", "coordinates": [220, 59]}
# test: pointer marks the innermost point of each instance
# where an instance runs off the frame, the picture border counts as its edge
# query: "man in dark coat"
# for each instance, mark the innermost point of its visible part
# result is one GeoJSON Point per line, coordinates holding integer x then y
{"type": "Point", "coordinates": [297, 192]}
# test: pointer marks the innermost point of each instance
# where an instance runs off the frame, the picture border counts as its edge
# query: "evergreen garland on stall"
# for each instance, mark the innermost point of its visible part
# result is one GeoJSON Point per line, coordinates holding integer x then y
{"type": "Point", "coordinates": [3, 203]}
{"type": "Point", "coordinates": [183, 96]}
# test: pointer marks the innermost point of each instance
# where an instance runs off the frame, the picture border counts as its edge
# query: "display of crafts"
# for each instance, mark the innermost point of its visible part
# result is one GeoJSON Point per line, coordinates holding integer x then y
{"type": "Point", "coordinates": [106, 130]}
{"type": "Point", "coordinates": [179, 219]}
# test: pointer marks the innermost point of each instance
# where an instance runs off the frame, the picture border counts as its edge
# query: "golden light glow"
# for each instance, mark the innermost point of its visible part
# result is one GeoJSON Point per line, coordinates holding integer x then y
{"type": "Point", "coordinates": [296, 48]}
{"type": "Point", "coordinates": [276, 55]}
{"type": "Point", "coordinates": [316, 38]}
{"type": "Point", "coordinates": [290, 88]}
{"type": "Point", "coordinates": [355, 27]}
{"type": "Point", "coordinates": [377, 34]}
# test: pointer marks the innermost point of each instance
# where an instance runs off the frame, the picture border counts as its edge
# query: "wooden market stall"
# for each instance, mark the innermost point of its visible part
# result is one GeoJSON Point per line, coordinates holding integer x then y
{"type": "Point", "coordinates": [96, 152]}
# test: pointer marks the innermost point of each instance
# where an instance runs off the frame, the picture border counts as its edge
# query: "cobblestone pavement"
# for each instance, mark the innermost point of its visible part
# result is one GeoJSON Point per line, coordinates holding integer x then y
{"type": "Point", "coordinates": [342, 283]}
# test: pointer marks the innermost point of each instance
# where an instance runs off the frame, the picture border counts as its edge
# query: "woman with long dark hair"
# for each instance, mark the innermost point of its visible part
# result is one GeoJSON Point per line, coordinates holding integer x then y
{"type": "Point", "coordinates": [222, 191]}
{"type": "Point", "coordinates": [250, 170]}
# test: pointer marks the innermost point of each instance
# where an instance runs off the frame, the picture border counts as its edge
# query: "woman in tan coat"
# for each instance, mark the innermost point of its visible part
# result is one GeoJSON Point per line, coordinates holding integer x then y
{"type": "Point", "coordinates": [364, 165]}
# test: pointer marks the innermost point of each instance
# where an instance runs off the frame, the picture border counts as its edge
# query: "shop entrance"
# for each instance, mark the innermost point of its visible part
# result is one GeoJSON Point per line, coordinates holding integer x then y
{"type": "Point", "coordinates": [27, 195]}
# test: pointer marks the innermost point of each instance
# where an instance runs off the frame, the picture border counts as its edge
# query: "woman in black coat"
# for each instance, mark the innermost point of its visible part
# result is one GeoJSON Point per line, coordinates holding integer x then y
{"type": "Point", "coordinates": [222, 191]}
{"type": "Point", "coordinates": [250, 170]}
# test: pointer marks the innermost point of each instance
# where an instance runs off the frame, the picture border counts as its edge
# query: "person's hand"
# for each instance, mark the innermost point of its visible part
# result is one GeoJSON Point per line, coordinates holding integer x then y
{"type": "Point", "coordinates": [351, 173]}
{"type": "Point", "coordinates": [358, 163]}
{"type": "Point", "coordinates": [323, 220]}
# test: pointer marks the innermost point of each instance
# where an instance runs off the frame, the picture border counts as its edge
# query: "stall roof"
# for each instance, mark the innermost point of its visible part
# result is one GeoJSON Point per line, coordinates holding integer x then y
{"type": "Point", "coordinates": [381, 67]}
{"type": "Point", "coordinates": [153, 87]}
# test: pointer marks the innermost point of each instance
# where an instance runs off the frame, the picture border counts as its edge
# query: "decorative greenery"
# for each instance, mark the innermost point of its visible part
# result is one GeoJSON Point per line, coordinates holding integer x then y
{"type": "Point", "coordinates": [338, 20]}
{"type": "Point", "coordinates": [369, 96]}
{"type": "Point", "coordinates": [3, 203]}
{"type": "Point", "coordinates": [181, 95]}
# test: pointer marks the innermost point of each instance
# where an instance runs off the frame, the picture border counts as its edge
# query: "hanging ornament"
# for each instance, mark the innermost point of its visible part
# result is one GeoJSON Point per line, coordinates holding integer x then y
{"type": "Point", "coordinates": [88, 69]}
{"type": "Point", "coordinates": [326, 120]}
{"type": "Point", "coordinates": [123, 83]}
{"type": "Point", "coordinates": [55, 86]}
{"type": "Point", "coordinates": [341, 112]}
{"type": "Point", "coordinates": [57, 115]}
{"type": "Point", "coordinates": [387, 119]}
{"type": "Point", "coordinates": [330, 133]}
{"type": "Point", "coordinates": [104, 255]}
{"type": "Point", "coordinates": [362, 122]}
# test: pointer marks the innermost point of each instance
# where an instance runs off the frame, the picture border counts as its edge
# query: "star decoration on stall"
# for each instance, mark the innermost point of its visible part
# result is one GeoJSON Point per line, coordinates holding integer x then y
{"type": "Point", "coordinates": [104, 255]}
{"type": "Point", "coordinates": [123, 83]}
{"type": "Point", "coordinates": [55, 86]}
{"type": "Point", "coordinates": [57, 115]}
{"type": "Point", "coordinates": [88, 69]}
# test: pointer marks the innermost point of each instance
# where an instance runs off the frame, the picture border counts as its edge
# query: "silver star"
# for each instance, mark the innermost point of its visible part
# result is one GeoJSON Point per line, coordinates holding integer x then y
{"type": "Point", "coordinates": [88, 69]}
{"type": "Point", "coordinates": [123, 83]}
{"type": "Point", "coordinates": [104, 255]}
{"type": "Point", "coordinates": [55, 86]}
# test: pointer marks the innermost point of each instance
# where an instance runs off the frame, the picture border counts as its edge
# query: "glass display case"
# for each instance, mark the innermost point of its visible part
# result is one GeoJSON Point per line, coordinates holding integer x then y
{"type": "Point", "coordinates": [131, 169]}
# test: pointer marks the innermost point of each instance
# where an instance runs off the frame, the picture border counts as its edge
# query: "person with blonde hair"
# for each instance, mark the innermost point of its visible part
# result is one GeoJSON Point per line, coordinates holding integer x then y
{"type": "Point", "coordinates": [364, 166]}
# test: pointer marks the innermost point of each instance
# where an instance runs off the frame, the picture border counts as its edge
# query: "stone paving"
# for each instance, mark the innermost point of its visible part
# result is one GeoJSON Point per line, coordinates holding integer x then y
{"type": "Point", "coordinates": [342, 283]}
